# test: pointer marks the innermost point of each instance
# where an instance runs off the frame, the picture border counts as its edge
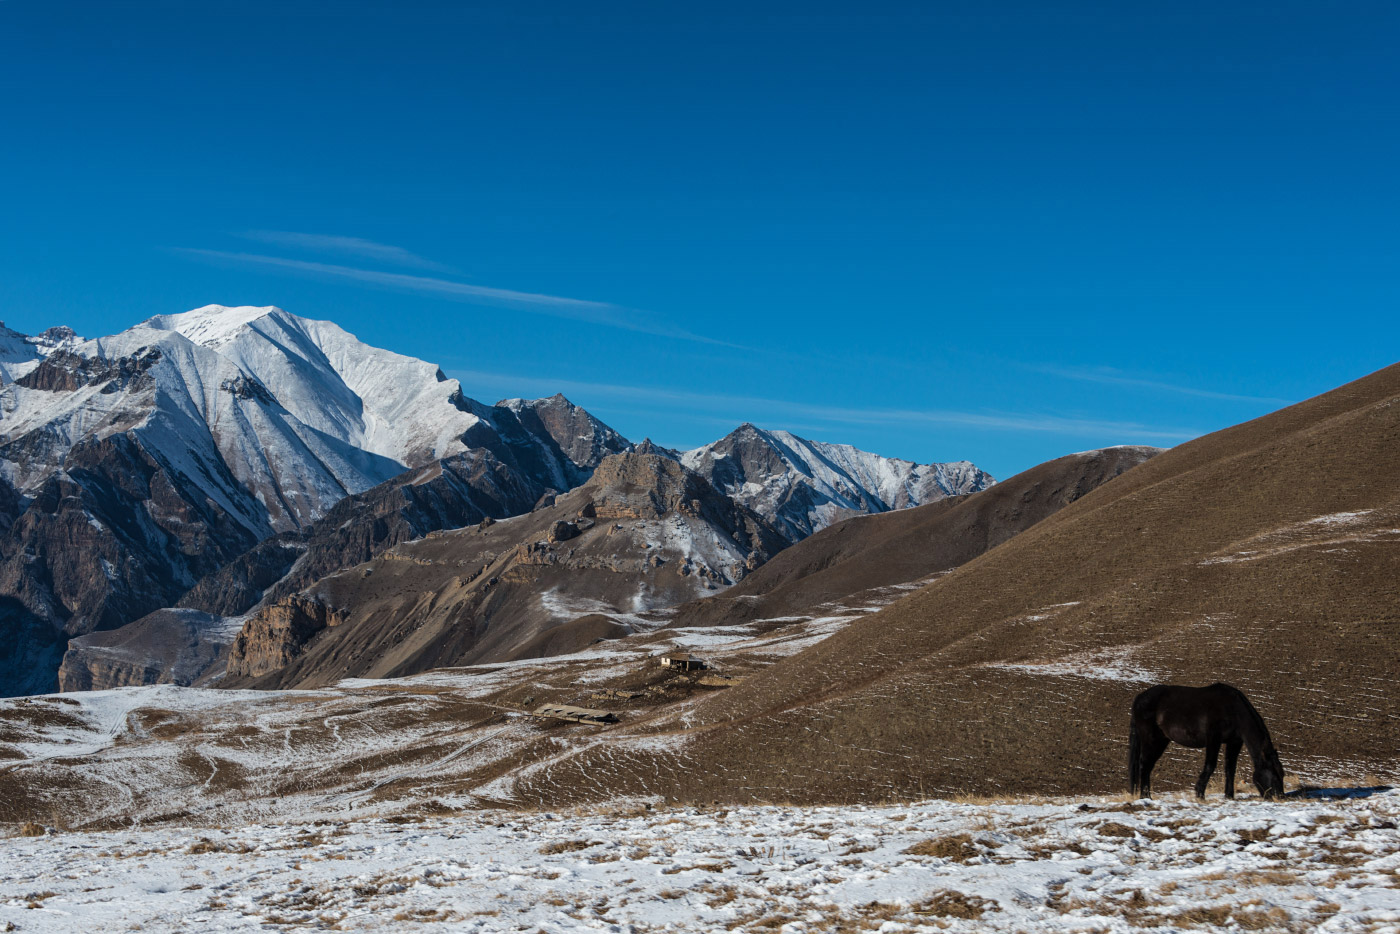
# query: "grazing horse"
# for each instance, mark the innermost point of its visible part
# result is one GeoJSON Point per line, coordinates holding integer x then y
{"type": "Point", "coordinates": [1197, 717]}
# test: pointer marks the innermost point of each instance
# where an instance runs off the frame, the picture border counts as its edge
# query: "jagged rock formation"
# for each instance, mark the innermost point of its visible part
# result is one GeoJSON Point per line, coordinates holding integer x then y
{"type": "Point", "coordinates": [20, 353]}
{"type": "Point", "coordinates": [803, 486]}
{"type": "Point", "coordinates": [643, 533]}
{"type": "Point", "coordinates": [112, 537]}
{"type": "Point", "coordinates": [460, 490]}
{"type": "Point", "coordinates": [579, 440]}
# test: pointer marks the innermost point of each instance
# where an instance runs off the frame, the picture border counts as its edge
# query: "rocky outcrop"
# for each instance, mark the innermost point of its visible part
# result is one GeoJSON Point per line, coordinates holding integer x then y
{"type": "Point", "coordinates": [561, 531]}
{"type": "Point", "coordinates": [277, 634]}
{"type": "Point", "coordinates": [65, 371]}
{"type": "Point", "coordinates": [648, 486]}
{"type": "Point", "coordinates": [240, 584]}
{"type": "Point", "coordinates": [459, 491]}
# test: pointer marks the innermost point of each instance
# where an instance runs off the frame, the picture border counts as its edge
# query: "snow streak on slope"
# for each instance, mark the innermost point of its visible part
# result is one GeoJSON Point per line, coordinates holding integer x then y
{"type": "Point", "coordinates": [803, 486]}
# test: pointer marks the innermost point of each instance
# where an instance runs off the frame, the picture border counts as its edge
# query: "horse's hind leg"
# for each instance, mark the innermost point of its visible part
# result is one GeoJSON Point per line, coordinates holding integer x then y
{"type": "Point", "coordinates": [1232, 757]}
{"type": "Point", "coordinates": [1212, 757]}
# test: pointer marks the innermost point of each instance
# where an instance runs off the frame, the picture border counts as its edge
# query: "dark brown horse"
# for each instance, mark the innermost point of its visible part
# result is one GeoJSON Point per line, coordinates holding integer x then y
{"type": "Point", "coordinates": [1200, 717]}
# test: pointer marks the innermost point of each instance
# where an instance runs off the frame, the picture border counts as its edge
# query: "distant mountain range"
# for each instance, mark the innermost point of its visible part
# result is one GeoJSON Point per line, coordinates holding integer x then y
{"type": "Point", "coordinates": [215, 459]}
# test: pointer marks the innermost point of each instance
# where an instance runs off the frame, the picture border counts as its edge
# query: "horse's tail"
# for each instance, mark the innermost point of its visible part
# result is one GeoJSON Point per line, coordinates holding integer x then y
{"type": "Point", "coordinates": [1134, 758]}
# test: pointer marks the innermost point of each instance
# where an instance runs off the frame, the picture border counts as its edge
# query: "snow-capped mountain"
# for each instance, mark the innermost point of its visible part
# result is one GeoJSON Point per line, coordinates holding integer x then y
{"type": "Point", "coordinates": [803, 486]}
{"type": "Point", "coordinates": [142, 462]}
{"type": "Point", "coordinates": [298, 413]}
{"type": "Point", "coordinates": [402, 411]}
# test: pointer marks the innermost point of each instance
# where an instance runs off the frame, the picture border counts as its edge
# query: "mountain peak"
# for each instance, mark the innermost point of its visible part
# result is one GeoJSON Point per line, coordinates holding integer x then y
{"type": "Point", "coordinates": [519, 403]}
{"type": "Point", "coordinates": [212, 324]}
{"type": "Point", "coordinates": [802, 486]}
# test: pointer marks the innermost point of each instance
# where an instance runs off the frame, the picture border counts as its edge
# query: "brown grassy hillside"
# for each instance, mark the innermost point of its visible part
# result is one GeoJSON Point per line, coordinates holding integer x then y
{"type": "Point", "coordinates": [867, 553]}
{"type": "Point", "coordinates": [1266, 555]}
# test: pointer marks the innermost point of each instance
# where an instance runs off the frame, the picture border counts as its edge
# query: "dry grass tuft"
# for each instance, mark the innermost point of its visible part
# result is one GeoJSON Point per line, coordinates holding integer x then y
{"type": "Point", "coordinates": [1250, 916]}
{"type": "Point", "coordinates": [567, 846]}
{"type": "Point", "coordinates": [424, 915]}
{"type": "Point", "coordinates": [1115, 829]}
{"type": "Point", "coordinates": [205, 845]}
{"type": "Point", "coordinates": [958, 848]}
{"type": "Point", "coordinates": [953, 904]}
{"type": "Point", "coordinates": [1265, 877]}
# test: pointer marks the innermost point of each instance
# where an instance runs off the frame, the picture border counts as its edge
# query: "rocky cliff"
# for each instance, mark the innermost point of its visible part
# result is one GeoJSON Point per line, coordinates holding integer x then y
{"type": "Point", "coordinates": [276, 635]}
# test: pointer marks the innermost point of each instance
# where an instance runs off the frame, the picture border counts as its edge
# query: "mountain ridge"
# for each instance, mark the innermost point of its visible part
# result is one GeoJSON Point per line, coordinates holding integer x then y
{"type": "Point", "coordinates": [169, 458]}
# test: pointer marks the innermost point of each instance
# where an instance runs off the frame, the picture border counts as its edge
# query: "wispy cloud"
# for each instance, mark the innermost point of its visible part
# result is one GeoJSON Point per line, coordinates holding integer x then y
{"type": "Point", "coordinates": [604, 314]}
{"type": "Point", "coordinates": [747, 408]}
{"type": "Point", "coordinates": [343, 246]}
{"type": "Point", "coordinates": [1117, 378]}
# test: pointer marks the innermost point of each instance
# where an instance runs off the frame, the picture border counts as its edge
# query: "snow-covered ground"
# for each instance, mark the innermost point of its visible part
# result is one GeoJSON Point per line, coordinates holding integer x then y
{"type": "Point", "coordinates": [1055, 866]}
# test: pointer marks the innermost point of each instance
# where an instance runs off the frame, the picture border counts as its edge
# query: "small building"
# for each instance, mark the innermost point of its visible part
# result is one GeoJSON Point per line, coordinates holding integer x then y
{"type": "Point", "coordinates": [574, 714]}
{"type": "Point", "coordinates": [682, 661]}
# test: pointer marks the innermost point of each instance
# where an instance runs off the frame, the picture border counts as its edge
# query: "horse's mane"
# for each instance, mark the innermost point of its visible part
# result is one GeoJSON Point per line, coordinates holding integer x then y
{"type": "Point", "coordinates": [1266, 745]}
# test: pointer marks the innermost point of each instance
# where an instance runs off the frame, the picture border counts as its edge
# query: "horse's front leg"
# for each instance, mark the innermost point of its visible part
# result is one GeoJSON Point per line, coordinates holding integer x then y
{"type": "Point", "coordinates": [1232, 757]}
{"type": "Point", "coordinates": [1152, 750]}
{"type": "Point", "coordinates": [1212, 757]}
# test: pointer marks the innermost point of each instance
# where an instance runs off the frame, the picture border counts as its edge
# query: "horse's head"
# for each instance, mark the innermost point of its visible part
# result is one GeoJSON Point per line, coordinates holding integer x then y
{"type": "Point", "coordinates": [1268, 774]}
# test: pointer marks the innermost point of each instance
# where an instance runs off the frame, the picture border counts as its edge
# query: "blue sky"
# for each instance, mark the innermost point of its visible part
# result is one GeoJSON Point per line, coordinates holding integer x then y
{"type": "Point", "coordinates": [993, 231]}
